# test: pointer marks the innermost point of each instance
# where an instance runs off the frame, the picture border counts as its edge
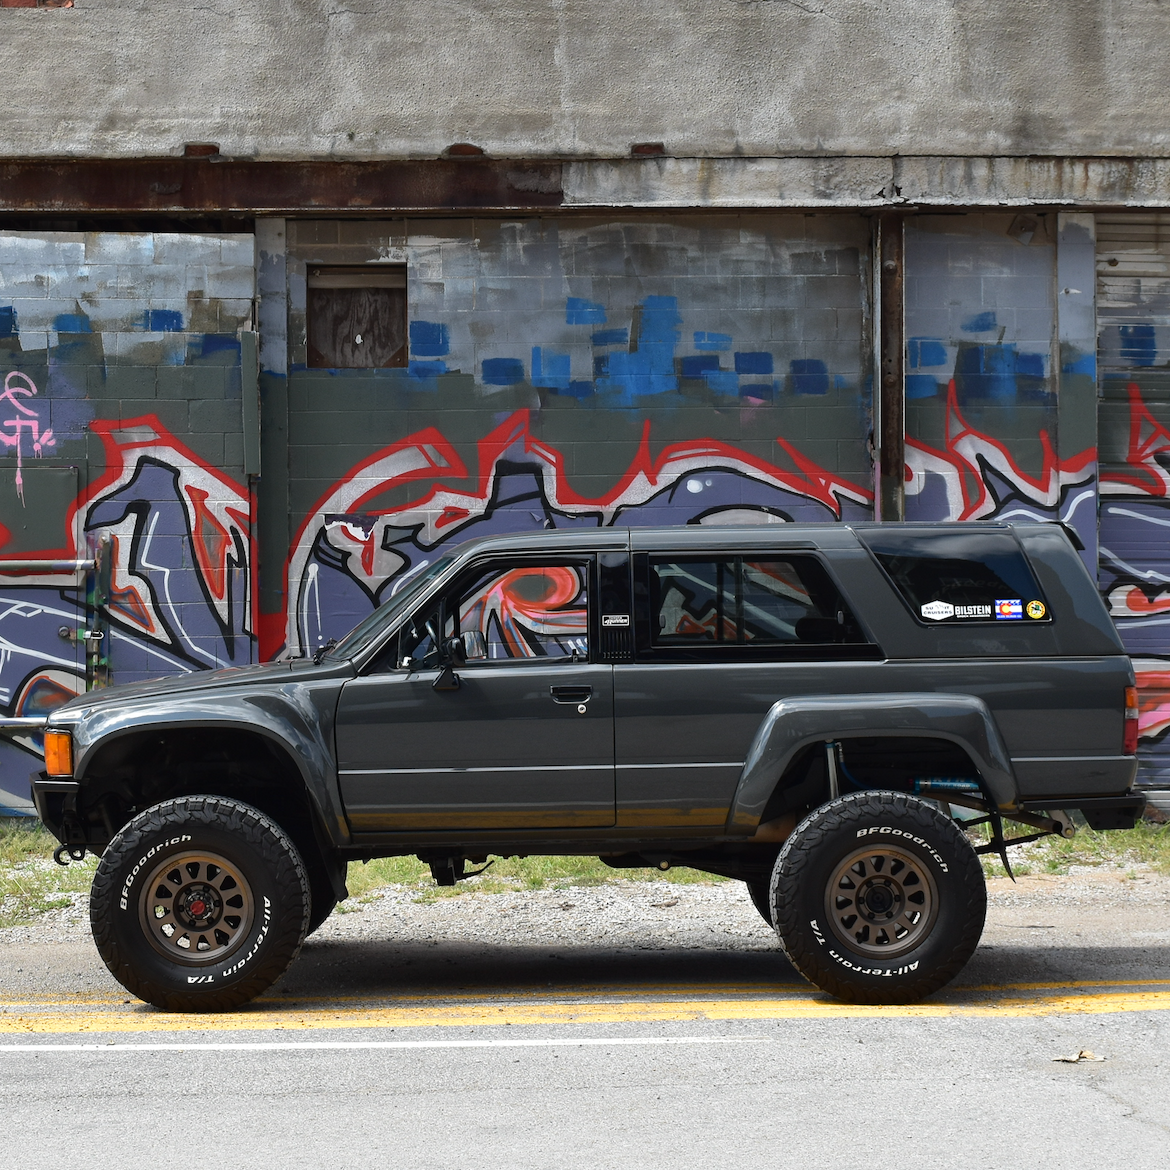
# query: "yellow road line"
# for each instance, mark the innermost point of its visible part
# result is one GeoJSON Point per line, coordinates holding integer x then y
{"type": "Point", "coordinates": [445, 997]}
{"type": "Point", "coordinates": [478, 1015]}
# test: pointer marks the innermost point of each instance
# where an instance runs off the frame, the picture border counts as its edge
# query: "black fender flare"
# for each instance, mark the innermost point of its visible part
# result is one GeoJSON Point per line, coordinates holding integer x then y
{"type": "Point", "coordinates": [274, 718]}
{"type": "Point", "coordinates": [794, 723]}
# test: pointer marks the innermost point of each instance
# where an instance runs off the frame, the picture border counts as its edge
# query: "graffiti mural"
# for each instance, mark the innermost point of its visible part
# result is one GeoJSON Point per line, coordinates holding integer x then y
{"type": "Point", "coordinates": [975, 477]}
{"type": "Point", "coordinates": [120, 419]}
{"type": "Point", "coordinates": [345, 560]}
{"type": "Point", "coordinates": [1135, 571]}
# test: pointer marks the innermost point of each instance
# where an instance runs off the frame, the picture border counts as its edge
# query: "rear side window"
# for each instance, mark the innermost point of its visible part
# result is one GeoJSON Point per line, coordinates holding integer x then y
{"type": "Point", "coordinates": [746, 601]}
{"type": "Point", "coordinates": [959, 576]}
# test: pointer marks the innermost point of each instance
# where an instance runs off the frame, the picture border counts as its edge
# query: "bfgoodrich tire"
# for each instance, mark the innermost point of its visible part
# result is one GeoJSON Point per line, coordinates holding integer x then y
{"type": "Point", "coordinates": [199, 904]}
{"type": "Point", "coordinates": [878, 898]}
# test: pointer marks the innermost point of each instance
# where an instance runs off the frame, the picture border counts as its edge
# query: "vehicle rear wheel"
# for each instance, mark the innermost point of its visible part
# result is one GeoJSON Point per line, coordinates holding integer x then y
{"type": "Point", "coordinates": [199, 904]}
{"type": "Point", "coordinates": [879, 898]}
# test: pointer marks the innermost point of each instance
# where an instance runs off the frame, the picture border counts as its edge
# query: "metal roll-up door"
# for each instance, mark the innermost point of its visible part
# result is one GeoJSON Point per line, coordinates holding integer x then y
{"type": "Point", "coordinates": [1133, 331]}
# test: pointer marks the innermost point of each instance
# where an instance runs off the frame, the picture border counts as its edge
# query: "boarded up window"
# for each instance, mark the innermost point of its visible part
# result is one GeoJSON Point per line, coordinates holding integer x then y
{"type": "Point", "coordinates": [357, 317]}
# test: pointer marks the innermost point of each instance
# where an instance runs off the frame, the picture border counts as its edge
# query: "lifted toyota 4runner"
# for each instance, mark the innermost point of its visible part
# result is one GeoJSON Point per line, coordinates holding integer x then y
{"type": "Point", "coordinates": [799, 707]}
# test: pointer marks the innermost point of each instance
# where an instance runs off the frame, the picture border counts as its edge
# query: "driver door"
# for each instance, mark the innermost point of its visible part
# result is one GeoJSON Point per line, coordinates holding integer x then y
{"type": "Point", "coordinates": [524, 742]}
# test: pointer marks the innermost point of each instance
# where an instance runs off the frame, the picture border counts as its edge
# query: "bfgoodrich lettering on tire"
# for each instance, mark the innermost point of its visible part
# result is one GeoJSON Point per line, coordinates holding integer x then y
{"type": "Point", "coordinates": [199, 904]}
{"type": "Point", "coordinates": [878, 898]}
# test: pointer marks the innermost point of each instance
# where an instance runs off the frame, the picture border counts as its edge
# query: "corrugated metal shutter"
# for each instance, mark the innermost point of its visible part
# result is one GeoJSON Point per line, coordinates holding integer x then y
{"type": "Point", "coordinates": [1133, 355]}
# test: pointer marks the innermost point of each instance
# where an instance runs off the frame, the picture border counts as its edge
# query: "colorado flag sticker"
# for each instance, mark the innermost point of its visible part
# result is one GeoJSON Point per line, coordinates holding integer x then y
{"type": "Point", "coordinates": [1008, 611]}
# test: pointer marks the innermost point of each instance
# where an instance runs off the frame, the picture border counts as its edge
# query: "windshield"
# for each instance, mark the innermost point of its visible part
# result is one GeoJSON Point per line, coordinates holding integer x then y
{"type": "Point", "coordinates": [366, 631]}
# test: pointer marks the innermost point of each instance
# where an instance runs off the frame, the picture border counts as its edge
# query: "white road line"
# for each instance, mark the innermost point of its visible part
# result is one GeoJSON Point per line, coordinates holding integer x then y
{"type": "Point", "coordinates": [310, 1045]}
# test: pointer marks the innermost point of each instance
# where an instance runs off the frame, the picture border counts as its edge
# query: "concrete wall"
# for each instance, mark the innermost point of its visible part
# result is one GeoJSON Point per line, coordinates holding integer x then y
{"type": "Point", "coordinates": [308, 79]}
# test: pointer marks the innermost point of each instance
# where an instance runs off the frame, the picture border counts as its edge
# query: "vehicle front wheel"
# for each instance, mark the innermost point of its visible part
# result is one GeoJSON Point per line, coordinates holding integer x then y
{"type": "Point", "coordinates": [760, 892]}
{"type": "Point", "coordinates": [878, 898]}
{"type": "Point", "coordinates": [199, 904]}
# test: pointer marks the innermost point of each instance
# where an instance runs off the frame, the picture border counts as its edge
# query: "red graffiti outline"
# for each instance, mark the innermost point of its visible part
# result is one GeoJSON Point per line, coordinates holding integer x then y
{"type": "Point", "coordinates": [960, 433]}
{"type": "Point", "coordinates": [1149, 477]}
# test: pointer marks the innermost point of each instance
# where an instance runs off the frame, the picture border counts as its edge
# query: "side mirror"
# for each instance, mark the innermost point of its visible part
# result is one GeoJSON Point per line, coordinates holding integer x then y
{"type": "Point", "coordinates": [465, 647]}
{"type": "Point", "coordinates": [474, 645]}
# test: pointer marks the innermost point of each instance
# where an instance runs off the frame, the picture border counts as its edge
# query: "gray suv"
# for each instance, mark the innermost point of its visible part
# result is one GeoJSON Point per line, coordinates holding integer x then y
{"type": "Point", "coordinates": [803, 708]}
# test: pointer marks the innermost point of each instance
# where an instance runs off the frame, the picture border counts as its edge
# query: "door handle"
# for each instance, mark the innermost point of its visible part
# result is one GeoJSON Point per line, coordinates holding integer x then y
{"type": "Point", "coordinates": [571, 694]}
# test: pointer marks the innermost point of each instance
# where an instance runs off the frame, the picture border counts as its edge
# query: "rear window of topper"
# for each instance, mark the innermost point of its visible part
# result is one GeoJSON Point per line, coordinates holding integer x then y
{"type": "Point", "coordinates": [960, 577]}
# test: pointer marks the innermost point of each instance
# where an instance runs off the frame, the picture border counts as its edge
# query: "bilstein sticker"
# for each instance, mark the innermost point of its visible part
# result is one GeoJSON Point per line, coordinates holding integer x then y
{"type": "Point", "coordinates": [1009, 610]}
{"type": "Point", "coordinates": [938, 611]}
{"type": "Point", "coordinates": [972, 611]}
{"type": "Point", "coordinates": [1035, 609]}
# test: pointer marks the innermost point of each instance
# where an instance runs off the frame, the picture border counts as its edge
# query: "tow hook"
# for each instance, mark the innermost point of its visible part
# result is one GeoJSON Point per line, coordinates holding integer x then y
{"type": "Point", "coordinates": [64, 854]}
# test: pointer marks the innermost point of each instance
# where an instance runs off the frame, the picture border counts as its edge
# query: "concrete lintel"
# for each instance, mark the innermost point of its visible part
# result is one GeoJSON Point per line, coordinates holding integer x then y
{"type": "Point", "coordinates": [850, 182]}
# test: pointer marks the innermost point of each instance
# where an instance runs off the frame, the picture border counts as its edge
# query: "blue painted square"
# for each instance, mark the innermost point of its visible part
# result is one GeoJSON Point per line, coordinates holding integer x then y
{"type": "Point", "coordinates": [611, 337]}
{"type": "Point", "coordinates": [980, 323]}
{"type": "Point", "coordinates": [723, 381]}
{"type": "Point", "coordinates": [429, 339]}
{"type": "Point", "coordinates": [1030, 365]}
{"type": "Point", "coordinates": [926, 351]}
{"type": "Point", "coordinates": [218, 343]}
{"type": "Point", "coordinates": [579, 311]}
{"type": "Point", "coordinates": [659, 317]}
{"type": "Point", "coordinates": [550, 371]}
{"type": "Point", "coordinates": [162, 321]}
{"type": "Point", "coordinates": [713, 342]}
{"type": "Point", "coordinates": [8, 321]}
{"type": "Point", "coordinates": [503, 371]}
{"type": "Point", "coordinates": [753, 363]}
{"type": "Point", "coordinates": [1138, 345]}
{"type": "Point", "coordinates": [580, 389]}
{"type": "Point", "coordinates": [695, 366]}
{"type": "Point", "coordinates": [986, 371]}
{"type": "Point", "coordinates": [764, 391]}
{"type": "Point", "coordinates": [424, 371]}
{"type": "Point", "coordinates": [921, 385]}
{"type": "Point", "coordinates": [809, 376]}
{"type": "Point", "coordinates": [71, 323]}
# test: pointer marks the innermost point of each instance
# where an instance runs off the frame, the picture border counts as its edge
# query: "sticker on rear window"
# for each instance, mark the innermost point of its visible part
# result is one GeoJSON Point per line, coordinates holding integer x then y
{"type": "Point", "coordinates": [1009, 610]}
{"type": "Point", "coordinates": [1035, 609]}
{"type": "Point", "coordinates": [938, 611]}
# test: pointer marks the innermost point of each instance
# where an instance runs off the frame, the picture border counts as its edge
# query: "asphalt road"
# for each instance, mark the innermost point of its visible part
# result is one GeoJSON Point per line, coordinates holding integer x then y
{"type": "Point", "coordinates": [476, 1040]}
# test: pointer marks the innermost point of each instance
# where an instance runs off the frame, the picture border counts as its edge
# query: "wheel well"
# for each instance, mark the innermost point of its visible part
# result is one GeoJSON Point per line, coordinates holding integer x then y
{"type": "Point", "coordinates": [135, 771]}
{"type": "Point", "coordinates": [867, 762]}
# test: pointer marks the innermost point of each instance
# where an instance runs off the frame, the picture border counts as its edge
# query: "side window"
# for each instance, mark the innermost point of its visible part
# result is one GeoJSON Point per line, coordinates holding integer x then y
{"type": "Point", "coordinates": [959, 576]}
{"type": "Point", "coordinates": [746, 601]}
{"type": "Point", "coordinates": [528, 611]}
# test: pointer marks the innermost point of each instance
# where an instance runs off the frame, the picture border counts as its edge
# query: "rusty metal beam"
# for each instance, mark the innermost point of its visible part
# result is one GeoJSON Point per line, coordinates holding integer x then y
{"type": "Point", "coordinates": [188, 186]}
{"type": "Point", "coordinates": [892, 382]}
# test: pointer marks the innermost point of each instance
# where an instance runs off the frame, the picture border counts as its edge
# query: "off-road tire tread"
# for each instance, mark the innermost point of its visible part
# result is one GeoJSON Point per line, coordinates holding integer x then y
{"type": "Point", "coordinates": [803, 846]}
{"type": "Point", "coordinates": [221, 813]}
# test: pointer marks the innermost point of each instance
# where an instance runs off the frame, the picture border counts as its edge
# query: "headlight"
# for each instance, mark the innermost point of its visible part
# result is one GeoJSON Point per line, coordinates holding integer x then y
{"type": "Point", "coordinates": [58, 753]}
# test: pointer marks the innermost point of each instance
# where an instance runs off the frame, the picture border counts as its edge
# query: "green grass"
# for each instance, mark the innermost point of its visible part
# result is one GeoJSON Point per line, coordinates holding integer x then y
{"type": "Point", "coordinates": [506, 874]}
{"type": "Point", "coordinates": [30, 883]}
{"type": "Point", "coordinates": [1146, 847]}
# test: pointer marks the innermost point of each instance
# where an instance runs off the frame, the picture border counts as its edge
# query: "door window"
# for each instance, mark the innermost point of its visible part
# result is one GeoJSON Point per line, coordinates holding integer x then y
{"type": "Point", "coordinates": [525, 612]}
{"type": "Point", "coordinates": [528, 611]}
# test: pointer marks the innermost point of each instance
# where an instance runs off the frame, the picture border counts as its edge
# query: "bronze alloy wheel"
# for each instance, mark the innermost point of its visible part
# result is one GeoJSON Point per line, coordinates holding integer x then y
{"type": "Point", "coordinates": [196, 908]}
{"type": "Point", "coordinates": [881, 901]}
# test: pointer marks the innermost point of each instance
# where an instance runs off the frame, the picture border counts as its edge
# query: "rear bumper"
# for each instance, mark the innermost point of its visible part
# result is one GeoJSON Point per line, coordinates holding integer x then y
{"type": "Point", "coordinates": [1102, 812]}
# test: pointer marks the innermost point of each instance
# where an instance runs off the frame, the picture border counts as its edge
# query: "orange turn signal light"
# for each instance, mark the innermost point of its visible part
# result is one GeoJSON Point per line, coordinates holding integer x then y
{"type": "Point", "coordinates": [58, 753]}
